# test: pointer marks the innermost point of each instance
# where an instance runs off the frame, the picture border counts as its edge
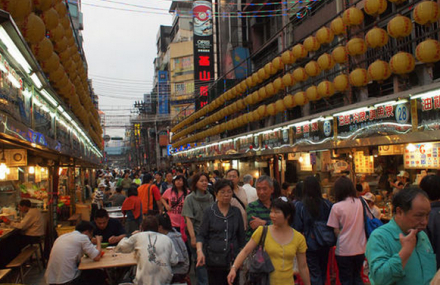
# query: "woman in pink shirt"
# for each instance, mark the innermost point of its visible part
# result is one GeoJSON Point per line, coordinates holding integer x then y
{"type": "Point", "coordinates": [173, 199]}
{"type": "Point", "coordinates": [347, 219]}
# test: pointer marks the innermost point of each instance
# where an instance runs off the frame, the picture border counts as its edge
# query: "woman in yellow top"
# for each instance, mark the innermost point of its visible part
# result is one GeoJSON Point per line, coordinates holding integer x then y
{"type": "Point", "coordinates": [282, 244]}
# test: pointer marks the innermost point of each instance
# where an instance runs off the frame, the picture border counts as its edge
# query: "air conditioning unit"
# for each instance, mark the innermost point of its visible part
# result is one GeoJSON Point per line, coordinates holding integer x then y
{"type": "Point", "coordinates": [16, 157]}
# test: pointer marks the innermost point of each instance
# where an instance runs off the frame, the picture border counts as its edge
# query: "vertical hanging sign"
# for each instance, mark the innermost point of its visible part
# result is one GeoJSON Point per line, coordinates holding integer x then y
{"type": "Point", "coordinates": [203, 51]}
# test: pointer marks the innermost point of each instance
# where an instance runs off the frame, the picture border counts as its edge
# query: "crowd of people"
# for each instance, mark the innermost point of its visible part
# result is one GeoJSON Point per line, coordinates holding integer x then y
{"type": "Point", "coordinates": [174, 220]}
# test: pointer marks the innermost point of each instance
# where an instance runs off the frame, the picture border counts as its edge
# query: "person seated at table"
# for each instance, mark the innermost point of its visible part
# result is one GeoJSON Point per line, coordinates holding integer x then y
{"type": "Point", "coordinates": [66, 254]}
{"type": "Point", "coordinates": [180, 270]}
{"type": "Point", "coordinates": [118, 198]}
{"type": "Point", "coordinates": [31, 226]}
{"type": "Point", "coordinates": [110, 229]}
{"type": "Point", "coordinates": [155, 253]}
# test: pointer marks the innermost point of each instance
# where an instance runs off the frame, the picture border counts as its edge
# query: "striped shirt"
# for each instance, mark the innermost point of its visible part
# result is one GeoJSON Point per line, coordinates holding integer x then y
{"type": "Point", "coordinates": [256, 209]}
{"type": "Point", "coordinates": [99, 196]}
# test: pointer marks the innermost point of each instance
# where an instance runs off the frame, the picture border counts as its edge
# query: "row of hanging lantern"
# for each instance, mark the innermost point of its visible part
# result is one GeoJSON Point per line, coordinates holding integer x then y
{"type": "Point", "coordinates": [428, 51]}
{"type": "Point", "coordinates": [45, 25]}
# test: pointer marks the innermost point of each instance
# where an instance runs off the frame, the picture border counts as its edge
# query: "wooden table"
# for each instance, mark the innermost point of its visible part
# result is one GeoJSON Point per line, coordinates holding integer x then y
{"type": "Point", "coordinates": [110, 259]}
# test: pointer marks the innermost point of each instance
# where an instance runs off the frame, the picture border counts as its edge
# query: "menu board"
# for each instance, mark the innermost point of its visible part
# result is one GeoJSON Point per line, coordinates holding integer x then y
{"type": "Point", "coordinates": [363, 163]}
{"type": "Point", "coordinates": [424, 155]}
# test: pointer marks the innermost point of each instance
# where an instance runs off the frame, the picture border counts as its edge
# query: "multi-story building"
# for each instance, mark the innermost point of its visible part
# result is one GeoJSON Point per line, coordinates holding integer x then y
{"type": "Point", "coordinates": [329, 87]}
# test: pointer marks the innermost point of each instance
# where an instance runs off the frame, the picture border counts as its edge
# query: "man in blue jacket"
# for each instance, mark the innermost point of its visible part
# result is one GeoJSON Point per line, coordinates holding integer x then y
{"type": "Point", "coordinates": [400, 252]}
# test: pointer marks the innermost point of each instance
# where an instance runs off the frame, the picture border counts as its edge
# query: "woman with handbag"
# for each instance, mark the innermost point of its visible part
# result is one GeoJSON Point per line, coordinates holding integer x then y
{"type": "Point", "coordinates": [347, 219]}
{"type": "Point", "coordinates": [221, 235]}
{"type": "Point", "coordinates": [193, 208]}
{"type": "Point", "coordinates": [281, 243]}
{"type": "Point", "coordinates": [173, 200]}
{"type": "Point", "coordinates": [312, 214]}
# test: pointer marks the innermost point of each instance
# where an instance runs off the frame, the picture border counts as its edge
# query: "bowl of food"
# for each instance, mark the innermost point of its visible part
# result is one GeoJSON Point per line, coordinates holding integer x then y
{"type": "Point", "coordinates": [104, 244]}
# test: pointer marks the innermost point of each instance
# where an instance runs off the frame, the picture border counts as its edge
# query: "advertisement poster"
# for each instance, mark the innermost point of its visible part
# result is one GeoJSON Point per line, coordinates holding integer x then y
{"type": "Point", "coordinates": [363, 163]}
{"type": "Point", "coordinates": [163, 93]}
{"type": "Point", "coordinates": [203, 51]}
{"type": "Point", "coordinates": [424, 156]}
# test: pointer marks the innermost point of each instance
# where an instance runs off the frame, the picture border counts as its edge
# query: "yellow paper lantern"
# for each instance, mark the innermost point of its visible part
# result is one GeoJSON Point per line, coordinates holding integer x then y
{"type": "Point", "coordinates": [325, 35]}
{"type": "Point", "coordinates": [326, 89]}
{"type": "Point", "coordinates": [428, 51]}
{"type": "Point", "coordinates": [42, 5]}
{"type": "Point", "coordinates": [256, 79]}
{"type": "Point", "coordinates": [65, 21]}
{"type": "Point", "coordinates": [60, 45]}
{"type": "Point", "coordinates": [51, 64]}
{"type": "Point", "coordinates": [287, 57]}
{"type": "Point", "coordinates": [279, 106]}
{"type": "Point", "coordinates": [288, 101]}
{"type": "Point", "coordinates": [379, 70]}
{"type": "Point", "coordinates": [353, 16]}
{"type": "Point", "coordinates": [269, 69]}
{"type": "Point", "coordinates": [356, 46]}
{"type": "Point", "coordinates": [262, 74]}
{"type": "Point", "coordinates": [312, 94]}
{"type": "Point", "coordinates": [426, 12]}
{"type": "Point", "coordinates": [288, 80]}
{"type": "Point", "coordinates": [255, 97]}
{"type": "Point", "coordinates": [300, 98]}
{"type": "Point", "coordinates": [299, 51]}
{"type": "Point", "coordinates": [312, 68]}
{"type": "Point", "coordinates": [19, 9]}
{"type": "Point", "coordinates": [300, 74]}
{"type": "Point", "coordinates": [243, 86]}
{"type": "Point", "coordinates": [399, 27]}
{"type": "Point", "coordinates": [337, 26]}
{"type": "Point", "coordinates": [277, 63]}
{"type": "Point", "coordinates": [43, 49]}
{"type": "Point", "coordinates": [32, 28]}
{"type": "Point", "coordinates": [375, 7]}
{"type": "Point", "coordinates": [340, 54]}
{"type": "Point", "coordinates": [402, 63]}
{"type": "Point", "coordinates": [255, 116]}
{"type": "Point", "coordinates": [326, 61]}
{"type": "Point", "coordinates": [271, 109]}
{"type": "Point", "coordinates": [61, 9]}
{"type": "Point", "coordinates": [376, 38]}
{"type": "Point", "coordinates": [50, 18]}
{"type": "Point", "coordinates": [311, 44]}
{"type": "Point", "coordinates": [234, 92]}
{"type": "Point", "coordinates": [262, 94]}
{"type": "Point", "coordinates": [250, 83]}
{"type": "Point", "coordinates": [57, 74]}
{"type": "Point", "coordinates": [359, 77]}
{"type": "Point", "coordinates": [57, 33]}
{"type": "Point", "coordinates": [262, 111]}
{"type": "Point", "coordinates": [240, 104]}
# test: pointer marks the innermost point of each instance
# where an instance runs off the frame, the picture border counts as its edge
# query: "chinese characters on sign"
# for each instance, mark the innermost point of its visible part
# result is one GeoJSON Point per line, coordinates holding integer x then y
{"type": "Point", "coordinates": [428, 113]}
{"type": "Point", "coordinates": [203, 51]}
{"type": "Point", "coordinates": [363, 163]}
{"type": "Point", "coordinates": [425, 155]}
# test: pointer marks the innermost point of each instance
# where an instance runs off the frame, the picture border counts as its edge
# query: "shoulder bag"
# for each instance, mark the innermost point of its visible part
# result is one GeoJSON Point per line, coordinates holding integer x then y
{"type": "Point", "coordinates": [260, 264]}
{"type": "Point", "coordinates": [321, 233]}
{"type": "Point", "coordinates": [370, 223]}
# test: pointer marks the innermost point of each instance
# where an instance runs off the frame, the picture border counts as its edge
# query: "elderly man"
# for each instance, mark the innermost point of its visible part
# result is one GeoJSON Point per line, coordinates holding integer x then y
{"type": "Point", "coordinates": [400, 252]}
{"type": "Point", "coordinates": [251, 192]}
{"type": "Point", "coordinates": [110, 229]}
{"type": "Point", "coordinates": [258, 212]}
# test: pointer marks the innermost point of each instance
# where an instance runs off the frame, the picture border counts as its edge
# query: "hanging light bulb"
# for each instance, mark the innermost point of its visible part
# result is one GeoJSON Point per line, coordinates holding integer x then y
{"type": "Point", "coordinates": [60, 171]}
{"type": "Point", "coordinates": [31, 170]}
{"type": "Point", "coordinates": [3, 170]}
{"type": "Point", "coordinates": [301, 159]}
{"type": "Point", "coordinates": [411, 147]}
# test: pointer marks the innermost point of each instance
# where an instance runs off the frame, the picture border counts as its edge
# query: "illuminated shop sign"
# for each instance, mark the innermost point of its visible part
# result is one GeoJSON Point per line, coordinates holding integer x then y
{"type": "Point", "coordinates": [10, 73]}
{"type": "Point", "coordinates": [427, 108]}
{"type": "Point", "coordinates": [387, 118]}
{"type": "Point", "coordinates": [423, 155]}
{"type": "Point", "coordinates": [203, 51]}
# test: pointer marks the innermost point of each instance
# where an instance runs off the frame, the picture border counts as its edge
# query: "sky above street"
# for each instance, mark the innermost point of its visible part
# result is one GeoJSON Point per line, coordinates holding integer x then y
{"type": "Point", "coordinates": [120, 46]}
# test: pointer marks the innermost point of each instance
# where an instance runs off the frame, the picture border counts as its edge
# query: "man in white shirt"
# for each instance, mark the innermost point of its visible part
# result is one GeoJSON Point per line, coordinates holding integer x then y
{"type": "Point", "coordinates": [155, 254]}
{"type": "Point", "coordinates": [66, 254]}
{"type": "Point", "coordinates": [32, 224]}
{"type": "Point", "coordinates": [251, 192]}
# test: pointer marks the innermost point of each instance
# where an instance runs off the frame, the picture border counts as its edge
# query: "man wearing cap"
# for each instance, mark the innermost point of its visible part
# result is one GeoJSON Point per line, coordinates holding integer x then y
{"type": "Point", "coordinates": [371, 199]}
{"type": "Point", "coordinates": [402, 181]}
{"type": "Point", "coordinates": [98, 200]}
